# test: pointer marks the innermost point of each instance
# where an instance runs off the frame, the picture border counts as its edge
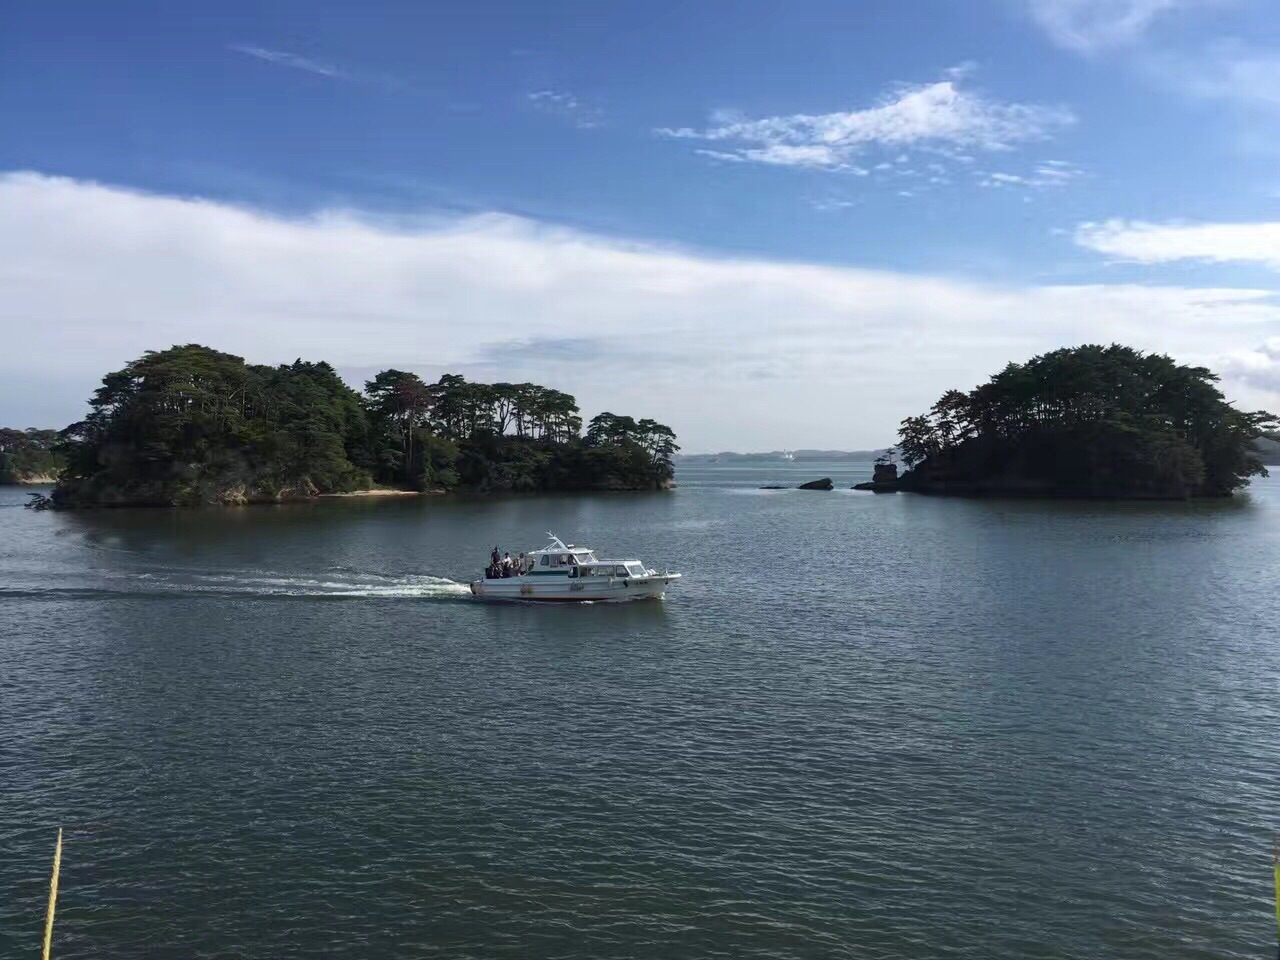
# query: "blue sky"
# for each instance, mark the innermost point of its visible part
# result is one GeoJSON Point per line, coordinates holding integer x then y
{"type": "Point", "coordinates": [767, 224]}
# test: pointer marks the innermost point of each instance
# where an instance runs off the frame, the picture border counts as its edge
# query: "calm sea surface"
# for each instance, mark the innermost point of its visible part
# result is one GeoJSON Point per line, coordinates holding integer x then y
{"type": "Point", "coordinates": [864, 726]}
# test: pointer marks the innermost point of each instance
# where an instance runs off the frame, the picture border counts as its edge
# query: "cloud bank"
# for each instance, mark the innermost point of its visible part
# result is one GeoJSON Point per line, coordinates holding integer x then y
{"type": "Point", "coordinates": [731, 352]}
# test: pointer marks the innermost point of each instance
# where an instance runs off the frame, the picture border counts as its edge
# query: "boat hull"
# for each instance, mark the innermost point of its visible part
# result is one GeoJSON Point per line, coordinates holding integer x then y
{"type": "Point", "coordinates": [534, 589]}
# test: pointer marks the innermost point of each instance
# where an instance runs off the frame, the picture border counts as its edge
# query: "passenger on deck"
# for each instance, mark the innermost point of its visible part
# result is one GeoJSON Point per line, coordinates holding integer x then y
{"type": "Point", "coordinates": [506, 565]}
{"type": "Point", "coordinates": [522, 566]}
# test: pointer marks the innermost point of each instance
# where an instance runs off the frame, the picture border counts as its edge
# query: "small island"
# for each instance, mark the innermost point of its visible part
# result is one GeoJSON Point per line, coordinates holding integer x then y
{"type": "Point", "coordinates": [29, 456]}
{"type": "Point", "coordinates": [1090, 421]}
{"type": "Point", "coordinates": [193, 426]}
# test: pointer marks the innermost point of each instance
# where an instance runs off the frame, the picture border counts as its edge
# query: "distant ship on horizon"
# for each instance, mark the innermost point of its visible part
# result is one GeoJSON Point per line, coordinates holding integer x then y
{"type": "Point", "coordinates": [788, 455]}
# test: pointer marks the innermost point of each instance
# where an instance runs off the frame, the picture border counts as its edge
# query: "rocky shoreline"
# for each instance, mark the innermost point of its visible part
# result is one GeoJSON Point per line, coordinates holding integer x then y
{"type": "Point", "coordinates": [29, 480]}
{"type": "Point", "coordinates": [1003, 486]}
{"type": "Point", "coordinates": [381, 492]}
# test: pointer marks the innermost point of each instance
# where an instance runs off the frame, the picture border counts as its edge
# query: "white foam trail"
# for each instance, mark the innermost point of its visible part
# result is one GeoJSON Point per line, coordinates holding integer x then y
{"type": "Point", "coordinates": [447, 589]}
{"type": "Point", "coordinates": [367, 586]}
{"type": "Point", "coordinates": [284, 585]}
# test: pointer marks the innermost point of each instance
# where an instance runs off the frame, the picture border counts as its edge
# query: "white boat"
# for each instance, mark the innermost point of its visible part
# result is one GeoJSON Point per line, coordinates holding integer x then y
{"type": "Point", "coordinates": [788, 455]}
{"type": "Point", "coordinates": [567, 573]}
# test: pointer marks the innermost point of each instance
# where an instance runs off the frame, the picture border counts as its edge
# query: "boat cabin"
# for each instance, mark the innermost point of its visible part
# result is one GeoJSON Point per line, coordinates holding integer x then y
{"type": "Point", "coordinates": [609, 568]}
{"type": "Point", "coordinates": [566, 559]}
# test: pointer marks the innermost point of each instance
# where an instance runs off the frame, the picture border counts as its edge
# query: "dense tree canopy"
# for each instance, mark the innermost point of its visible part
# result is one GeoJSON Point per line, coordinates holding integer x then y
{"type": "Point", "coordinates": [192, 425]}
{"type": "Point", "coordinates": [27, 455]}
{"type": "Point", "coordinates": [1087, 421]}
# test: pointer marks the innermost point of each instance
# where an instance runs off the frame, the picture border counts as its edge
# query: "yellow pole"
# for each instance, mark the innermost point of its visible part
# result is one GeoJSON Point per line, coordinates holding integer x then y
{"type": "Point", "coordinates": [53, 897]}
{"type": "Point", "coordinates": [1275, 863]}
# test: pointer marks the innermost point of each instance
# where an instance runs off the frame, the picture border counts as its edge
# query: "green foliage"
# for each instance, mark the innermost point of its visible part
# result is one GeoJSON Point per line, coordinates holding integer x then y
{"type": "Point", "coordinates": [1089, 421]}
{"type": "Point", "coordinates": [620, 446]}
{"type": "Point", "coordinates": [191, 425]}
{"type": "Point", "coordinates": [509, 437]}
{"type": "Point", "coordinates": [435, 467]}
{"type": "Point", "coordinates": [398, 403]}
{"type": "Point", "coordinates": [27, 454]}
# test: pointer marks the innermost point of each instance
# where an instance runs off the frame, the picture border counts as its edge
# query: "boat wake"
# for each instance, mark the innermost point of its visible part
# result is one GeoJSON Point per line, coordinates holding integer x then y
{"type": "Point", "coordinates": [344, 584]}
{"type": "Point", "coordinates": [347, 585]}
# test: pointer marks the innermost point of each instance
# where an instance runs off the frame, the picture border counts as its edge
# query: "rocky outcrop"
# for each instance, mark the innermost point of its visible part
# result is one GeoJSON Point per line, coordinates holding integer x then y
{"type": "Point", "coordinates": [884, 479]}
{"type": "Point", "coordinates": [823, 484]}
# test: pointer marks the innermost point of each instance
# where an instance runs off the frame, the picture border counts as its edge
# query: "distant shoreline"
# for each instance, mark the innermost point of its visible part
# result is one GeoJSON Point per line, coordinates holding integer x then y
{"type": "Point", "coordinates": [797, 456]}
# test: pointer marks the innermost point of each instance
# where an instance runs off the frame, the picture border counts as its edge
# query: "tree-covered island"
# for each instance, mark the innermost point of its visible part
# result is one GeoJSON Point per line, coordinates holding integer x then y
{"type": "Point", "coordinates": [29, 456]}
{"type": "Point", "coordinates": [1090, 421]}
{"type": "Point", "coordinates": [190, 425]}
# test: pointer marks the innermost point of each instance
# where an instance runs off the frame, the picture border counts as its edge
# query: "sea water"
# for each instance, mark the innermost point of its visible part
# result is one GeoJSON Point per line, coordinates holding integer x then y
{"type": "Point", "coordinates": [861, 726]}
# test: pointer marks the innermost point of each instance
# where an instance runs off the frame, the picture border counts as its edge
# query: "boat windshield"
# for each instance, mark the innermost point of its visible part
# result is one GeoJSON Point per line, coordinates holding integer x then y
{"type": "Point", "coordinates": [613, 569]}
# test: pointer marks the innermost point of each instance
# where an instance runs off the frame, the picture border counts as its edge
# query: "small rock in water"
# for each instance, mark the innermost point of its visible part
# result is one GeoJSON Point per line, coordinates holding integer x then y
{"type": "Point", "coordinates": [823, 484]}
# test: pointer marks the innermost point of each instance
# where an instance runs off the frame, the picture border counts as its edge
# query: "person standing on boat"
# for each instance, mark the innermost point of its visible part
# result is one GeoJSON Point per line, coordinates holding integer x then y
{"type": "Point", "coordinates": [522, 565]}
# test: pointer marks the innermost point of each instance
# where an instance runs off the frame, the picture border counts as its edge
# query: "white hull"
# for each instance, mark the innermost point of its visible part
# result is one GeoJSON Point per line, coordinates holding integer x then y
{"type": "Point", "coordinates": [535, 588]}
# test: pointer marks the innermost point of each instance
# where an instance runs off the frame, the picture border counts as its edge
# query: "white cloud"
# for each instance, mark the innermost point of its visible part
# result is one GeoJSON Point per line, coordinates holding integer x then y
{"type": "Point", "coordinates": [1166, 242]}
{"type": "Point", "coordinates": [1087, 26]}
{"type": "Point", "coordinates": [560, 103]}
{"type": "Point", "coordinates": [1050, 174]}
{"type": "Point", "coordinates": [285, 59]}
{"type": "Point", "coordinates": [939, 116]}
{"type": "Point", "coordinates": [1259, 366]}
{"type": "Point", "coordinates": [802, 155]}
{"type": "Point", "coordinates": [731, 352]}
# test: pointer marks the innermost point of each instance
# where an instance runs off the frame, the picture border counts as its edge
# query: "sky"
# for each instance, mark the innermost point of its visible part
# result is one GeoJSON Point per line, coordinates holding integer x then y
{"type": "Point", "coordinates": [768, 225]}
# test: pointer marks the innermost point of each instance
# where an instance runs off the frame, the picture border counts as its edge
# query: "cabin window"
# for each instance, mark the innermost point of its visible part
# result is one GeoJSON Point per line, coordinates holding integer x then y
{"type": "Point", "coordinates": [545, 561]}
{"type": "Point", "coordinates": [635, 569]}
{"type": "Point", "coordinates": [620, 571]}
